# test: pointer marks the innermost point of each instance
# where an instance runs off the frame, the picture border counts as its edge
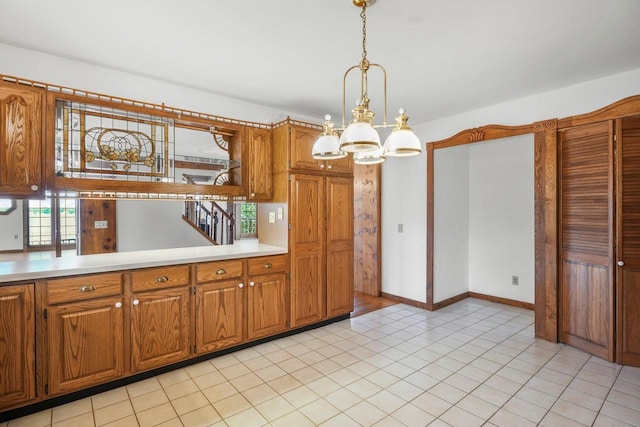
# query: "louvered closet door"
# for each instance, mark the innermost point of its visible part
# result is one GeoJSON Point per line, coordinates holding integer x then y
{"type": "Point", "coordinates": [586, 282]}
{"type": "Point", "coordinates": [628, 250]}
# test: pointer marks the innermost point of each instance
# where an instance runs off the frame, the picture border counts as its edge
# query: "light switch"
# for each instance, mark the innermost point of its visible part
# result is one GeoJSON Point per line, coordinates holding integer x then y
{"type": "Point", "coordinates": [272, 217]}
{"type": "Point", "coordinates": [280, 213]}
{"type": "Point", "coordinates": [100, 224]}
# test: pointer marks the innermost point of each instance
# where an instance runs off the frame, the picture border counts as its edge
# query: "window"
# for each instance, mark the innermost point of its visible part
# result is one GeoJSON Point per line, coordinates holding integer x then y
{"type": "Point", "coordinates": [248, 224]}
{"type": "Point", "coordinates": [41, 222]}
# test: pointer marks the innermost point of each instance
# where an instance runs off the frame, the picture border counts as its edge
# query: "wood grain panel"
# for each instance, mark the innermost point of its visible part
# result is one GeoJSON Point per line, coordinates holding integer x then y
{"type": "Point", "coordinates": [21, 111]}
{"type": "Point", "coordinates": [301, 142]}
{"type": "Point", "coordinates": [307, 245]}
{"type": "Point", "coordinates": [258, 148]}
{"type": "Point", "coordinates": [85, 287]}
{"type": "Point", "coordinates": [267, 311]}
{"type": "Point", "coordinates": [85, 344]}
{"type": "Point", "coordinates": [267, 265]}
{"type": "Point", "coordinates": [160, 277]}
{"type": "Point", "coordinates": [586, 242]}
{"type": "Point", "coordinates": [219, 315]}
{"type": "Point", "coordinates": [339, 245]}
{"type": "Point", "coordinates": [17, 345]}
{"type": "Point", "coordinates": [219, 270]}
{"type": "Point", "coordinates": [94, 240]}
{"type": "Point", "coordinates": [366, 225]}
{"type": "Point", "coordinates": [160, 328]}
{"type": "Point", "coordinates": [628, 249]}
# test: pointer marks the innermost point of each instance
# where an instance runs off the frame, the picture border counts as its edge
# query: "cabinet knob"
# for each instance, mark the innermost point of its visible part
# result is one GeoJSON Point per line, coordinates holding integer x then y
{"type": "Point", "coordinates": [268, 265]}
{"type": "Point", "coordinates": [329, 167]}
{"type": "Point", "coordinates": [34, 187]}
{"type": "Point", "coordinates": [252, 283]}
{"type": "Point", "coordinates": [118, 304]}
{"type": "Point", "coordinates": [621, 263]}
{"type": "Point", "coordinates": [221, 271]}
{"type": "Point", "coordinates": [87, 288]}
{"type": "Point", "coordinates": [136, 302]}
{"type": "Point", "coordinates": [253, 195]}
{"type": "Point", "coordinates": [241, 285]}
{"type": "Point", "coordinates": [162, 279]}
{"type": "Point", "coordinates": [322, 166]}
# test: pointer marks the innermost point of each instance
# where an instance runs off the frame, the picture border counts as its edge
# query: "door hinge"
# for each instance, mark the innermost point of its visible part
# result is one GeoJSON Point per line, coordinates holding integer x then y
{"type": "Point", "coordinates": [194, 290]}
{"type": "Point", "coordinates": [290, 227]}
{"type": "Point", "coordinates": [195, 349]}
{"type": "Point", "coordinates": [288, 275]}
{"type": "Point", "coordinates": [45, 314]}
{"type": "Point", "coordinates": [46, 389]}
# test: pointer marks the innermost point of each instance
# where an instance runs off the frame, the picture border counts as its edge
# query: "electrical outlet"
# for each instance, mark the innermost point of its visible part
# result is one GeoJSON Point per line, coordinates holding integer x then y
{"type": "Point", "coordinates": [272, 217]}
{"type": "Point", "coordinates": [400, 228]}
{"type": "Point", "coordinates": [515, 280]}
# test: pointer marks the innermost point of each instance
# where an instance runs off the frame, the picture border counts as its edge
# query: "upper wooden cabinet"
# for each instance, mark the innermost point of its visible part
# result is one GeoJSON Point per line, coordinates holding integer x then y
{"type": "Point", "coordinates": [21, 140]}
{"type": "Point", "coordinates": [257, 164]}
{"type": "Point", "coordinates": [300, 140]}
{"type": "Point", "coordinates": [17, 335]}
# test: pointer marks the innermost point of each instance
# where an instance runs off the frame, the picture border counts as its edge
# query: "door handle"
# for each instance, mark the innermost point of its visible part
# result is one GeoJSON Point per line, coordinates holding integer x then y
{"type": "Point", "coordinates": [621, 263]}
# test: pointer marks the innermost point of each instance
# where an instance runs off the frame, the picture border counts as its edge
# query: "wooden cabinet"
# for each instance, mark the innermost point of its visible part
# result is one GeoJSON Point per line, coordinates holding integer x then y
{"type": "Point", "coordinates": [160, 317]}
{"type": "Point", "coordinates": [17, 345]}
{"type": "Point", "coordinates": [301, 140]}
{"type": "Point", "coordinates": [21, 136]}
{"type": "Point", "coordinates": [220, 304]}
{"type": "Point", "coordinates": [267, 304]}
{"type": "Point", "coordinates": [258, 160]}
{"type": "Point", "coordinates": [85, 331]}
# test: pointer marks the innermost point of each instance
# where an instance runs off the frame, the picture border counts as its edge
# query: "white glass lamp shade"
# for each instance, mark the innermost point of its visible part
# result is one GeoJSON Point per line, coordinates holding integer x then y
{"type": "Point", "coordinates": [402, 143]}
{"type": "Point", "coordinates": [369, 157]}
{"type": "Point", "coordinates": [359, 136]}
{"type": "Point", "coordinates": [327, 147]}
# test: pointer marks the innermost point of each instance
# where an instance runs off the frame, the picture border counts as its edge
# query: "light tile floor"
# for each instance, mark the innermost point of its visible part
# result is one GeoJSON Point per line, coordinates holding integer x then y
{"type": "Point", "coordinates": [473, 363]}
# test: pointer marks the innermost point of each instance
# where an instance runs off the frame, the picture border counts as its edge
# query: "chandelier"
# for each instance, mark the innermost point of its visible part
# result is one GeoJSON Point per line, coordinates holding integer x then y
{"type": "Point", "coordinates": [360, 136]}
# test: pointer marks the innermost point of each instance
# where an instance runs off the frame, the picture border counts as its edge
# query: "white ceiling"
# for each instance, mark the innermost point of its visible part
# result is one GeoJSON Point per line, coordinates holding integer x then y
{"type": "Point", "coordinates": [442, 56]}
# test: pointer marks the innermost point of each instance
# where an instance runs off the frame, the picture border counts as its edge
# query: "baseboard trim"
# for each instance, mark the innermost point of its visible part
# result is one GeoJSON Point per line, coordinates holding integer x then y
{"type": "Point", "coordinates": [505, 301]}
{"type": "Point", "coordinates": [449, 301]}
{"type": "Point", "coordinates": [404, 300]}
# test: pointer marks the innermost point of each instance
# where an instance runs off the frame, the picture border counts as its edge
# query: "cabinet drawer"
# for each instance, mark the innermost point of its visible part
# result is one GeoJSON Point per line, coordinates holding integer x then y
{"type": "Point", "coordinates": [267, 264]}
{"type": "Point", "coordinates": [83, 287]}
{"type": "Point", "coordinates": [219, 270]}
{"type": "Point", "coordinates": [161, 277]}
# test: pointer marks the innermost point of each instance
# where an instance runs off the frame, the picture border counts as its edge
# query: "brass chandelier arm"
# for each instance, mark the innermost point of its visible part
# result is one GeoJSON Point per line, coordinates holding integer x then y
{"type": "Point", "coordinates": [364, 91]}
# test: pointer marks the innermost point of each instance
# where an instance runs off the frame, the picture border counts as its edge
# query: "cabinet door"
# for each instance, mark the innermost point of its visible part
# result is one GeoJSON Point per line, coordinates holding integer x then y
{"type": "Point", "coordinates": [17, 345]}
{"type": "Point", "coordinates": [21, 111]}
{"type": "Point", "coordinates": [85, 343]}
{"type": "Point", "coordinates": [219, 315]}
{"type": "Point", "coordinates": [339, 246]}
{"type": "Point", "coordinates": [159, 328]}
{"type": "Point", "coordinates": [307, 237]}
{"type": "Point", "coordinates": [267, 305]}
{"type": "Point", "coordinates": [259, 161]}
{"type": "Point", "coordinates": [301, 142]}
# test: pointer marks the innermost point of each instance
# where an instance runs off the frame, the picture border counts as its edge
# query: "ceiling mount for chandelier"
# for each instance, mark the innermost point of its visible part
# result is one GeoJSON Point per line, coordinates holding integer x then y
{"type": "Point", "coordinates": [360, 136]}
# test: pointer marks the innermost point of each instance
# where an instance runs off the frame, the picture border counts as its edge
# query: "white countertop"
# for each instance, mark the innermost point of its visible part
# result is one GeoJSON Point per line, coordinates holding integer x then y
{"type": "Point", "coordinates": [11, 271]}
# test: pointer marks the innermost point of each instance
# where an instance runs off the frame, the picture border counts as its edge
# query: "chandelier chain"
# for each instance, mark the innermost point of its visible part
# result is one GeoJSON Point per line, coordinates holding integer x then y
{"type": "Point", "coordinates": [363, 15]}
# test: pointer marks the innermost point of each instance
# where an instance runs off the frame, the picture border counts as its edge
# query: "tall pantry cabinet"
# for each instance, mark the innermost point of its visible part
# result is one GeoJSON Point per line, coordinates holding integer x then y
{"type": "Point", "coordinates": [319, 195]}
{"type": "Point", "coordinates": [599, 168]}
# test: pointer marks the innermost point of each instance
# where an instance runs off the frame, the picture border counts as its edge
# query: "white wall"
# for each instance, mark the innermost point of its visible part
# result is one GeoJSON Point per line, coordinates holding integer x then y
{"type": "Point", "coordinates": [501, 218]}
{"type": "Point", "coordinates": [451, 222]}
{"type": "Point", "coordinates": [577, 99]}
{"type": "Point", "coordinates": [10, 227]}
{"type": "Point", "coordinates": [153, 224]}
